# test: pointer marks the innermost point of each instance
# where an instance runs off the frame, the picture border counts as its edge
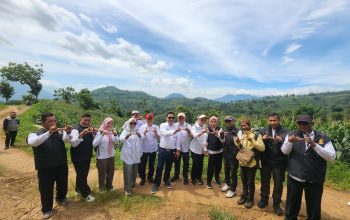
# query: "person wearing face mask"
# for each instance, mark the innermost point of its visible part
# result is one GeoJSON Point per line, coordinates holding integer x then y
{"type": "Point", "coordinates": [230, 151]}
{"type": "Point", "coordinates": [213, 149]}
{"type": "Point", "coordinates": [167, 150]}
{"type": "Point", "coordinates": [308, 151]}
{"type": "Point", "coordinates": [200, 134]}
{"type": "Point", "coordinates": [131, 154]}
{"type": "Point", "coordinates": [248, 139]}
{"type": "Point", "coordinates": [182, 148]}
{"type": "Point", "coordinates": [81, 153]}
{"type": "Point", "coordinates": [273, 162]}
{"type": "Point", "coordinates": [151, 134]}
{"type": "Point", "coordinates": [50, 158]}
{"type": "Point", "coordinates": [104, 140]}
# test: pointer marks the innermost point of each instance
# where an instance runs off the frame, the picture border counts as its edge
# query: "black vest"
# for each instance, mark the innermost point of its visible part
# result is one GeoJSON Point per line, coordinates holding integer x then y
{"type": "Point", "coordinates": [83, 151]}
{"type": "Point", "coordinates": [273, 155]}
{"type": "Point", "coordinates": [229, 148]}
{"type": "Point", "coordinates": [308, 165]}
{"type": "Point", "coordinates": [214, 142]}
{"type": "Point", "coordinates": [51, 153]}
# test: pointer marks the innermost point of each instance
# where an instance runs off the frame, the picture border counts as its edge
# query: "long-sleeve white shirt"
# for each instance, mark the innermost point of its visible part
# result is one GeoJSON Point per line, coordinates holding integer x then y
{"type": "Point", "coordinates": [327, 152]}
{"type": "Point", "coordinates": [132, 149]}
{"type": "Point", "coordinates": [167, 136]}
{"type": "Point", "coordinates": [199, 140]}
{"type": "Point", "coordinates": [102, 141]}
{"type": "Point", "coordinates": [35, 140]}
{"type": "Point", "coordinates": [149, 143]}
{"type": "Point", "coordinates": [183, 139]}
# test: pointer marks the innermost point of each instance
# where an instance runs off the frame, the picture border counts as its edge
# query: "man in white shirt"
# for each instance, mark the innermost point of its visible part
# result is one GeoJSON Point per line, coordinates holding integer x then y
{"type": "Point", "coordinates": [151, 134]}
{"type": "Point", "coordinates": [167, 151]}
{"type": "Point", "coordinates": [308, 150]}
{"type": "Point", "coordinates": [184, 137]}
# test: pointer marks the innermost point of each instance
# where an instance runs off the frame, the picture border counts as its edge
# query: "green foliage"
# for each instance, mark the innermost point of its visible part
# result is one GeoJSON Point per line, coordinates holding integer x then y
{"type": "Point", "coordinates": [85, 99]}
{"type": "Point", "coordinates": [67, 94]}
{"type": "Point", "coordinates": [24, 74]}
{"type": "Point", "coordinates": [216, 214]}
{"type": "Point", "coordinates": [338, 175]}
{"type": "Point", "coordinates": [6, 90]}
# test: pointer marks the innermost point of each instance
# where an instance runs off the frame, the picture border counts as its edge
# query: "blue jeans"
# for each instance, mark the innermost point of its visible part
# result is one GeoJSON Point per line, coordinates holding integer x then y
{"type": "Point", "coordinates": [164, 157]}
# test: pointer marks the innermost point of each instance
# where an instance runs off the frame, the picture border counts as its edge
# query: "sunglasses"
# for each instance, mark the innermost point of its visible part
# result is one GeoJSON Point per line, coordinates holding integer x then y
{"type": "Point", "coordinates": [133, 123]}
{"type": "Point", "coordinates": [171, 117]}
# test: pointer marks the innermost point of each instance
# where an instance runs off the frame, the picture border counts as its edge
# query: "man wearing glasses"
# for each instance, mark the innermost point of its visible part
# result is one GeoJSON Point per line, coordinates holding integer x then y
{"type": "Point", "coordinates": [167, 151]}
{"type": "Point", "coordinates": [308, 150]}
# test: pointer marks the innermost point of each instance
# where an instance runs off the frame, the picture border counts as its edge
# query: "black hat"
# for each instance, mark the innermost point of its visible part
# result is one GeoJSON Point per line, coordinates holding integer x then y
{"type": "Point", "coordinates": [304, 118]}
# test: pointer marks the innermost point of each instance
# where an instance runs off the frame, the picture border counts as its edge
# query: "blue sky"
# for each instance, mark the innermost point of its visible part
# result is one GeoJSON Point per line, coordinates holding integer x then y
{"type": "Point", "coordinates": [198, 48]}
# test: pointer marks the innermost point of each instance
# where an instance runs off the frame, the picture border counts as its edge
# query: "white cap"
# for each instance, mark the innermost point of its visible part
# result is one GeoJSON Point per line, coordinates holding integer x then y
{"type": "Point", "coordinates": [181, 114]}
{"type": "Point", "coordinates": [202, 116]}
{"type": "Point", "coordinates": [135, 112]}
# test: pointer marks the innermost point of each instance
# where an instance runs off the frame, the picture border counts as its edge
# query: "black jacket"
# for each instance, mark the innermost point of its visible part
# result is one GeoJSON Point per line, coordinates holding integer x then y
{"type": "Point", "coordinates": [83, 151]}
{"type": "Point", "coordinates": [214, 142]}
{"type": "Point", "coordinates": [230, 149]}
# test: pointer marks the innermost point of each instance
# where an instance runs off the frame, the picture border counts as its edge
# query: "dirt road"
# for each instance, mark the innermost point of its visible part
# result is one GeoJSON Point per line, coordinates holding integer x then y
{"type": "Point", "coordinates": [19, 196]}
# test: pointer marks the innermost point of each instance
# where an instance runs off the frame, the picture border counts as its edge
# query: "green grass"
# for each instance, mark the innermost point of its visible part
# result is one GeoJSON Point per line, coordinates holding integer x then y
{"type": "Point", "coordinates": [338, 175]}
{"type": "Point", "coordinates": [2, 106]}
{"type": "Point", "coordinates": [215, 213]}
{"type": "Point", "coordinates": [2, 170]}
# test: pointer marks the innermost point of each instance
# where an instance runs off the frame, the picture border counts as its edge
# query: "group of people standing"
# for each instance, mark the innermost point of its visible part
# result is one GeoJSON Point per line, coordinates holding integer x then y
{"type": "Point", "coordinates": [273, 150]}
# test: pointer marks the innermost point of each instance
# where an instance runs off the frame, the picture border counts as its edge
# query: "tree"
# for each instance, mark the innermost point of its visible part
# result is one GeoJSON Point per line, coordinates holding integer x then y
{"type": "Point", "coordinates": [85, 99]}
{"type": "Point", "coordinates": [67, 94]}
{"type": "Point", "coordinates": [24, 74]}
{"type": "Point", "coordinates": [6, 90]}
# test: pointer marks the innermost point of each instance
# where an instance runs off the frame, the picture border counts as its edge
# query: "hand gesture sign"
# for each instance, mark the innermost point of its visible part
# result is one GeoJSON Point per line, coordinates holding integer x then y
{"type": "Point", "coordinates": [115, 132]}
{"type": "Point", "coordinates": [68, 129]}
{"type": "Point", "coordinates": [292, 138]}
{"type": "Point", "coordinates": [53, 129]}
{"type": "Point", "coordinates": [266, 137]}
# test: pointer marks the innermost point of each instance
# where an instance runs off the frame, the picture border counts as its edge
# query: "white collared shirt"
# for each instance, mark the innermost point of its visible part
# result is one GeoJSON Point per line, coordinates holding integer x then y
{"type": "Point", "coordinates": [198, 141]}
{"type": "Point", "coordinates": [102, 141]}
{"type": "Point", "coordinates": [183, 139]}
{"type": "Point", "coordinates": [149, 143]}
{"type": "Point", "coordinates": [327, 152]}
{"type": "Point", "coordinates": [35, 140]}
{"type": "Point", "coordinates": [132, 149]}
{"type": "Point", "coordinates": [168, 136]}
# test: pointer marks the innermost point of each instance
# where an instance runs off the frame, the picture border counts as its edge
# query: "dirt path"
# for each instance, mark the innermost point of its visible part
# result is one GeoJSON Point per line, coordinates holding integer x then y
{"type": "Point", "coordinates": [19, 196]}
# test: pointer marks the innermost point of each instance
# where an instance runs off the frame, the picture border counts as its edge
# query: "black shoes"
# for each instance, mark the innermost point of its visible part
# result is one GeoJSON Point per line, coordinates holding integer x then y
{"type": "Point", "coordinates": [174, 178]}
{"type": "Point", "coordinates": [194, 182]}
{"type": "Point", "coordinates": [262, 204]}
{"type": "Point", "coordinates": [209, 186]}
{"type": "Point", "coordinates": [150, 179]}
{"type": "Point", "coordinates": [200, 182]}
{"type": "Point", "coordinates": [168, 184]}
{"type": "Point", "coordinates": [277, 209]}
{"type": "Point", "coordinates": [154, 189]}
{"type": "Point", "coordinates": [218, 182]}
{"type": "Point", "coordinates": [241, 201]}
{"type": "Point", "coordinates": [64, 201]}
{"type": "Point", "coordinates": [248, 204]}
{"type": "Point", "coordinates": [142, 182]}
{"type": "Point", "coordinates": [186, 181]}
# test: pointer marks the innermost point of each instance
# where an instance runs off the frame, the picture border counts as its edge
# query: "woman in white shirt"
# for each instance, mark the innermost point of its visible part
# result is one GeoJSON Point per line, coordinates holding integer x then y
{"type": "Point", "coordinates": [104, 141]}
{"type": "Point", "coordinates": [131, 154]}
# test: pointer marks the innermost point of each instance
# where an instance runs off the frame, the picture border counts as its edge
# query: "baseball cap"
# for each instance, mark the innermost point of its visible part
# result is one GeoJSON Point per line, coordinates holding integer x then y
{"type": "Point", "coordinates": [229, 118]}
{"type": "Point", "coordinates": [304, 118]}
{"type": "Point", "coordinates": [149, 115]}
{"type": "Point", "coordinates": [202, 116]}
{"type": "Point", "coordinates": [181, 114]}
{"type": "Point", "coordinates": [135, 112]}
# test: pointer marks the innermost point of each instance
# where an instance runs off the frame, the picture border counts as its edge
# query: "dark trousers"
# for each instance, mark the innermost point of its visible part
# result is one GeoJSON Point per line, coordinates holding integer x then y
{"type": "Point", "coordinates": [165, 157]}
{"type": "Point", "coordinates": [313, 197]}
{"type": "Point", "coordinates": [186, 163]}
{"type": "Point", "coordinates": [10, 138]}
{"type": "Point", "coordinates": [248, 182]}
{"type": "Point", "coordinates": [214, 166]}
{"type": "Point", "coordinates": [278, 175]}
{"type": "Point", "coordinates": [47, 179]}
{"type": "Point", "coordinates": [82, 169]}
{"type": "Point", "coordinates": [197, 166]}
{"type": "Point", "coordinates": [231, 170]}
{"type": "Point", "coordinates": [105, 168]}
{"type": "Point", "coordinates": [151, 157]}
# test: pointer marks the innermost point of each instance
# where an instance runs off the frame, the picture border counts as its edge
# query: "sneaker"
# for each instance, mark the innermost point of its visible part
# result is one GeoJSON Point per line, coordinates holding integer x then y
{"type": "Point", "coordinates": [64, 201]}
{"type": "Point", "coordinates": [225, 188]}
{"type": "Point", "coordinates": [218, 182]}
{"type": "Point", "coordinates": [248, 204]}
{"type": "Point", "coordinates": [154, 189]}
{"type": "Point", "coordinates": [262, 204]}
{"type": "Point", "coordinates": [127, 194]}
{"type": "Point", "coordinates": [6, 148]}
{"type": "Point", "coordinates": [47, 215]}
{"type": "Point", "coordinates": [241, 201]}
{"type": "Point", "coordinates": [277, 209]}
{"type": "Point", "coordinates": [174, 178]}
{"type": "Point", "coordinates": [167, 184]}
{"type": "Point", "coordinates": [77, 193]}
{"type": "Point", "coordinates": [194, 182]}
{"type": "Point", "coordinates": [112, 190]}
{"type": "Point", "coordinates": [209, 186]}
{"type": "Point", "coordinates": [186, 181]}
{"type": "Point", "coordinates": [142, 182]}
{"type": "Point", "coordinates": [90, 198]}
{"type": "Point", "coordinates": [200, 182]}
{"type": "Point", "coordinates": [230, 194]}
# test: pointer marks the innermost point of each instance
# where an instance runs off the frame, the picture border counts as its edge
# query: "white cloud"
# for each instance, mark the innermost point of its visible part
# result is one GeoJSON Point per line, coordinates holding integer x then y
{"type": "Point", "coordinates": [110, 28]}
{"type": "Point", "coordinates": [51, 84]}
{"type": "Point", "coordinates": [292, 47]}
{"type": "Point", "coordinates": [172, 82]}
{"type": "Point", "coordinates": [286, 60]}
{"type": "Point", "coordinates": [87, 19]}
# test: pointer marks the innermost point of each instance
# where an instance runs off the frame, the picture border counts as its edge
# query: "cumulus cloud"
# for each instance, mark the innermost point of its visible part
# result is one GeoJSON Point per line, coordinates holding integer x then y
{"type": "Point", "coordinates": [87, 19]}
{"type": "Point", "coordinates": [172, 82]}
{"type": "Point", "coordinates": [110, 28]}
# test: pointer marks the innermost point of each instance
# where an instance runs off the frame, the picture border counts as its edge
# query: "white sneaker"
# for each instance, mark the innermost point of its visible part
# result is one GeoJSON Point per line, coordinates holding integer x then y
{"type": "Point", "coordinates": [90, 198]}
{"type": "Point", "coordinates": [127, 194]}
{"type": "Point", "coordinates": [225, 188]}
{"type": "Point", "coordinates": [230, 194]}
{"type": "Point", "coordinates": [47, 215]}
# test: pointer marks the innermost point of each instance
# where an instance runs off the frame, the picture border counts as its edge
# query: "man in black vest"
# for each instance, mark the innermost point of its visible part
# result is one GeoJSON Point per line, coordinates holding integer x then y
{"type": "Point", "coordinates": [51, 161]}
{"type": "Point", "coordinates": [81, 154]}
{"type": "Point", "coordinates": [308, 150]}
{"type": "Point", "coordinates": [10, 126]}
{"type": "Point", "coordinates": [273, 162]}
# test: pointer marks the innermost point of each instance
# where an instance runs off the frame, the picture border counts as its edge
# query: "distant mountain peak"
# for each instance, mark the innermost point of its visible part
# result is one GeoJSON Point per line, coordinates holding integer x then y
{"type": "Point", "coordinates": [175, 96]}
{"type": "Point", "coordinates": [237, 97]}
